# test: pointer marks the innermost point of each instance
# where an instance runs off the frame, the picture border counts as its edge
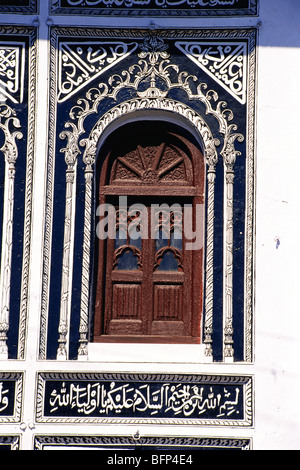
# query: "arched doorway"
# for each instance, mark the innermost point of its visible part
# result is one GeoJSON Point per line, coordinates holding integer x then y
{"type": "Point", "coordinates": [149, 279]}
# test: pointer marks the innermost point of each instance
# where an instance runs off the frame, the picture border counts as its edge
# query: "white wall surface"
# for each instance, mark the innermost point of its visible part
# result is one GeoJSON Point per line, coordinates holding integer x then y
{"type": "Point", "coordinates": [277, 313]}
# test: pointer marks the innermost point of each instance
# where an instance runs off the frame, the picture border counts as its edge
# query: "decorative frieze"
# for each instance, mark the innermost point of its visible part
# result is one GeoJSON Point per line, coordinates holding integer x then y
{"type": "Point", "coordinates": [144, 399]}
{"type": "Point", "coordinates": [226, 63]}
{"type": "Point", "coordinates": [138, 442]}
{"type": "Point", "coordinates": [19, 6]}
{"type": "Point", "coordinates": [12, 69]}
{"type": "Point", "coordinates": [156, 7]}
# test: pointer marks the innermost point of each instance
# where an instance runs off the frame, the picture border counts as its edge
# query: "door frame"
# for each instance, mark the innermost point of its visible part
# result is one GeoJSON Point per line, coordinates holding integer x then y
{"type": "Point", "coordinates": [196, 193]}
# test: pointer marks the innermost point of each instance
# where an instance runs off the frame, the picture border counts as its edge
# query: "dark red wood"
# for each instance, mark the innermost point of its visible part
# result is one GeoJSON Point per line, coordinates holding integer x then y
{"type": "Point", "coordinates": [151, 164]}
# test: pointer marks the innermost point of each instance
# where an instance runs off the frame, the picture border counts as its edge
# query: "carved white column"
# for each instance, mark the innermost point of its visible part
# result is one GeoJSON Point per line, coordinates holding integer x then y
{"type": "Point", "coordinates": [10, 150]}
{"type": "Point", "coordinates": [85, 284]}
{"type": "Point", "coordinates": [228, 267]}
{"type": "Point", "coordinates": [211, 159]}
{"type": "Point", "coordinates": [63, 329]}
{"type": "Point", "coordinates": [229, 156]}
{"type": "Point", "coordinates": [89, 160]}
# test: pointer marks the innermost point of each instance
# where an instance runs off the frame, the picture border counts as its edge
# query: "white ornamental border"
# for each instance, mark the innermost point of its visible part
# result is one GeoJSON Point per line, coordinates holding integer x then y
{"type": "Point", "coordinates": [155, 99]}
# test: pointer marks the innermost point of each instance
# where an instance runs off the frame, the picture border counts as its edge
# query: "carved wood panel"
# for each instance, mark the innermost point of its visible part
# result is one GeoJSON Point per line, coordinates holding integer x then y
{"type": "Point", "coordinates": [145, 273]}
{"type": "Point", "coordinates": [126, 301]}
{"type": "Point", "coordinates": [151, 165]}
{"type": "Point", "coordinates": [167, 302]}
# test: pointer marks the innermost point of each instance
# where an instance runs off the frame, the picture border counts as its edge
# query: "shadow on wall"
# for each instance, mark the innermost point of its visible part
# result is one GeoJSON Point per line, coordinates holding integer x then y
{"type": "Point", "coordinates": [280, 23]}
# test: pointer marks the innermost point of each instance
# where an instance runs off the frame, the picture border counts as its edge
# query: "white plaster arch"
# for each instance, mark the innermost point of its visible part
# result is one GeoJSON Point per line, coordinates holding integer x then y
{"type": "Point", "coordinates": [150, 115]}
{"type": "Point", "coordinates": [166, 109]}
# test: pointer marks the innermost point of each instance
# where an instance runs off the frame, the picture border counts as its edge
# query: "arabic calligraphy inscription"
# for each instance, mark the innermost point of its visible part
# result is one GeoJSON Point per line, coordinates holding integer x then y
{"type": "Point", "coordinates": [226, 63]}
{"type": "Point", "coordinates": [175, 7]}
{"type": "Point", "coordinates": [215, 399]}
{"type": "Point", "coordinates": [7, 398]}
{"type": "Point", "coordinates": [12, 59]}
{"type": "Point", "coordinates": [82, 62]}
{"type": "Point", "coordinates": [205, 4]}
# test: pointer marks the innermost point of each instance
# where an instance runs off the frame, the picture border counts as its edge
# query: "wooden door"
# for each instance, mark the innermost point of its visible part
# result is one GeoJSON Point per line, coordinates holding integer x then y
{"type": "Point", "coordinates": [149, 286]}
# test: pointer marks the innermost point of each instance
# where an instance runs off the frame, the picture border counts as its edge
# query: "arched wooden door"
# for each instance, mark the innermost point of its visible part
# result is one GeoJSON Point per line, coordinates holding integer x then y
{"type": "Point", "coordinates": [149, 284]}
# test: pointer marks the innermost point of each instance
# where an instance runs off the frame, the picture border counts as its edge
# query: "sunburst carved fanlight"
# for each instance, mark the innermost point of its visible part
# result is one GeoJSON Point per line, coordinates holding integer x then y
{"type": "Point", "coordinates": [152, 165]}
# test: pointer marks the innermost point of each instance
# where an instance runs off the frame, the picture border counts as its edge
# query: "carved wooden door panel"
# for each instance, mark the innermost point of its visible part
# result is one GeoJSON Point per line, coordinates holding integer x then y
{"type": "Point", "coordinates": [125, 279]}
{"type": "Point", "coordinates": [171, 277]}
{"type": "Point", "coordinates": [147, 291]}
